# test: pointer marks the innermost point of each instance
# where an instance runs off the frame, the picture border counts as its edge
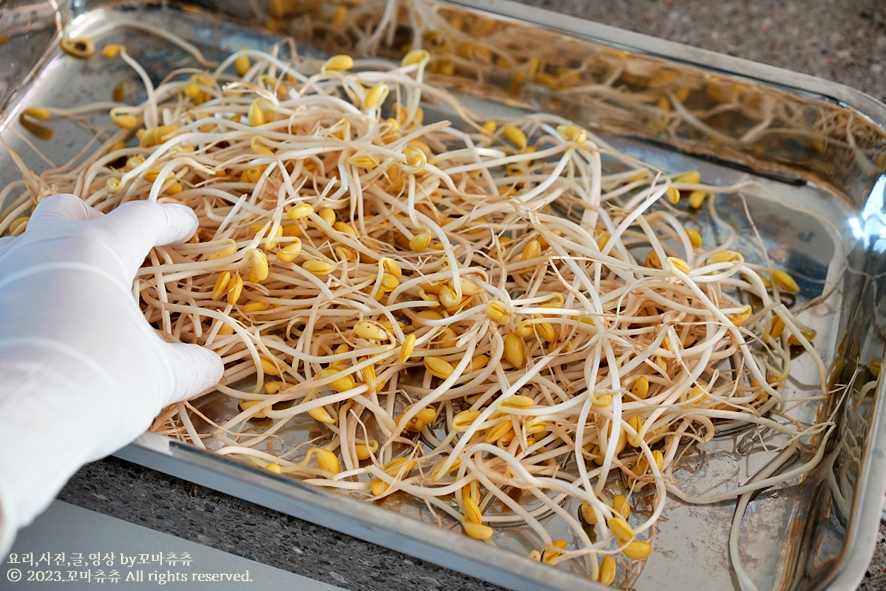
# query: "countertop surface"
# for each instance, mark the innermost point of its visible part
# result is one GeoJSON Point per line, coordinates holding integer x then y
{"type": "Point", "coordinates": [840, 40]}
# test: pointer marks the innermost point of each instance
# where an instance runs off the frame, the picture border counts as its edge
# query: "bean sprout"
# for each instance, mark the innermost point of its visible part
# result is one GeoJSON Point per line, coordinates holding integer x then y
{"type": "Point", "coordinates": [492, 316]}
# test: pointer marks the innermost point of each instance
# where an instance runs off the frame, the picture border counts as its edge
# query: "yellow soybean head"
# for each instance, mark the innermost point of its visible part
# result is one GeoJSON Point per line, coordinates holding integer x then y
{"type": "Point", "coordinates": [673, 195]}
{"type": "Point", "coordinates": [242, 64]}
{"type": "Point", "coordinates": [389, 283]}
{"type": "Point", "coordinates": [495, 310]}
{"type": "Point", "coordinates": [587, 513]}
{"type": "Point", "coordinates": [478, 531]}
{"type": "Point", "coordinates": [300, 211]}
{"type": "Point", "coordinates": [258, 269]}
{"type": "Point", "coordinates": [41, 113]}
{"type": "Point", "coordinates": [321, 415]}
{"type": "Point", "coordinates": [173, 188]}
{"type": "Point", "coordinates": [416, 159]}
{"type": "Point", "coordinates": [78, 47]}
{"type": "Point", "coordinates": [448, 297]}
{"type": "Point", "coordinates": [428, 315]}
{"type": "Point", "coordinates": [724, 256]}
{"type": "Point", "coordinates": [124, 120]}
{"type": "Point", "coordinates": [327, 460]}
{"type": "Point", "coordinates": [251, 175]}
{"type": "Point", "coordinates": [447, 339]}
{"type": "Point", "coordinates": [620, 529]}
{"type": "Point", "coordinates": [652, 260]}
{"type": "Point", "coordinates": [472, 510]}
{"type": "Point", "coordinates": [463, 420]}
{"type": "Point", "coordinates": [516, 136]}
{"type": "Point", "coordinates": [344, 228]}
{"type": "Point", "coordinates": [290, 252]}
{"type": "Point", "coordinates": [438, 367]}
{"type": "Point", "coordinates": [437, 472]}
{"type": "Point", "coordinates": [256, 115]}
{"type": "Point", "coordinates": [602, 240]}
{"type": "Point", "coordinates": [479, 362]}
{"type": "Point", "coordinates": [255, 307]}
{"type": "Point", "coordinates": [638, 550]}
{"type": "Point", "coordinates": [621, 505]}
{"type": "Point", "coordinates": [223, 252]}
{"type": "Point", "coordinates": [741, 317]}
{"type": "Point", "coordinates": [392, 267]}
{"type": "Point", "coordinates": [572, 133]}
{"type": "Point", "coordinates": [636, 424]}
{"type": "Point", "coordinates": [376, 95]}
{"type": "Point", "coordinates": [515, 353]}
{"type": "Point", "coordinates": [275, 387]}
{"type": "Point", "coordinates": [532, 250]}
{"type": "Point", "coordinates": [112, 50]}
{"type": "Point", "coordinates": [606, 574]}
{"type": "Point", "coordinates": [327, 215]}
{"type": "Point", "coordinates": [338, 63]}
{"type": "Point", "coordinates": [694, 237]}
{"type": "Point", "coordinates": [274, 467]}
{"type": "Point", "coordinates": [785, 282]}
{"type": "Point", "coordinates": [415, 56]}
{"type": "Point", "coordinates": [113, 185]}
{"type": "Point", "coordinates": [340, 16]}
{"type": "Point", "coordinates": [134, 162]}
{"type": "Point", "coordinates": [19, 226]}
{"type": "Point", "coordinates": [407, 348]}
{"type": "Point", "coordinates": [247, 404]}
{"type": "Point", "coordinates": [225, 329]}
{"type": "Point", "coordinates": [537, 425]}
{"type": "Point", "coordinates": [695, 396]}
{"type": "Point", "coordinates": [808, 333]}
{"type": "Point", "coordinates": [777, 327]}
{"type": "Point", "coordinates": [373, 331]}
{"type": "Point", "coordinates": [319, 268]}
{"type": "Point", "coordinates": [679, 264]}
{"type": "Point", "coordinates": [516, 401]}
{"type": "Point", "coordinates": [489, 128]}
{"type": "Point", "coordinates": [364, 161]}
{"type": "Point", "coordinates": [364, 451]}
{"type": "Point", "coordinates": [696, 199]}
{"type": "Point", "coordinates": [272, 365]}
{"type": "Point", "coordinates": [469, 288]}
{"type": "Point", "coordinates": [255, 144]}
{"type": "Point", "coordinates": [368, 377]}
{"type": "Point", "coordinates": [426, 415]}
{"type": "Point", "coordinates": [378, 487]}
{"type": "Point", "coordinates": [419, 242]}
{"type": "Point", "coordinates": [342, 384]}
{"type": "Point", "coordinates": [399, 466]}
{"type": "Point", "coordinates": [499, 431]}
{"type": "Point", "coordinates": [640, 389]}
{"type": "Point", "coordinates": [235, 288]}
{"type": "Point", "coordinates": [549, 556]}
{"type": "Point", "coordinates": [692, 177]}
{"type": "Point", "coordinates": [545, 332]}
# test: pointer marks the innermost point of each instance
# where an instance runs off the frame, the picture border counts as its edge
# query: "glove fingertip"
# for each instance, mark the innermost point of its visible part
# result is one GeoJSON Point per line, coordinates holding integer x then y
{"type": "Point", "coordinates": [195, 370]}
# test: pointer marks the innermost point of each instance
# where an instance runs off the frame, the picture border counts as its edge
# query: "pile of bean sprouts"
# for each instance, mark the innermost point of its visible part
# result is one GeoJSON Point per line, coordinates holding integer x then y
{"type": "Point", "coordinates": [492, 316]}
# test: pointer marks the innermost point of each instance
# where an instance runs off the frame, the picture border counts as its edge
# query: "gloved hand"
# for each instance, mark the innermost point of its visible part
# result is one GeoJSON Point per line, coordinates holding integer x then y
{"type": "Point", "coordinates": [82, 373]}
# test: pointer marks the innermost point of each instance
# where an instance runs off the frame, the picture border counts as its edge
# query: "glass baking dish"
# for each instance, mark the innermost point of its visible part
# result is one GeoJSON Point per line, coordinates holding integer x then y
{"type": "Point", "coordinates": [815, 146]}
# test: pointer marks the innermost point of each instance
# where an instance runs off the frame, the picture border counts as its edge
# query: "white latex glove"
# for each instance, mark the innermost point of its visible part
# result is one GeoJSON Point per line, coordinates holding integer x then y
{"type": "Point", "coordinates": [81, 372]}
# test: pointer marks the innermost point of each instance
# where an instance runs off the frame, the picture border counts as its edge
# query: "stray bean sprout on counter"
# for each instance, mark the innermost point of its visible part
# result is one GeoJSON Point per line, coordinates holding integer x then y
{"type": "Point", "coordinates": [491, 316]}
